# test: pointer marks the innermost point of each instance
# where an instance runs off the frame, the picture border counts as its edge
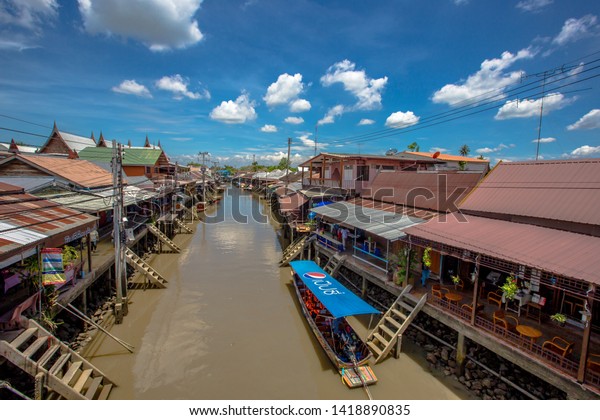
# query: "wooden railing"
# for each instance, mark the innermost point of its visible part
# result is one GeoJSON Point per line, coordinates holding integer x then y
{"type": "Point", "coordinates": [567, 366]}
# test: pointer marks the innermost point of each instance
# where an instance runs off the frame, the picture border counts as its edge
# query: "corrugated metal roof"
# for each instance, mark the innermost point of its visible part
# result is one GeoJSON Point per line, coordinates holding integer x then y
{"type": "Point", "coordinates": [103, 200]}
{"type": "Point", "coordinates": [76, 143]}
{"type": "Point", "coordinates": [291, 202]}
{"type": "Point", "coordinates": [384, 224]}
{"type": "Point", "coordinates": [131, 156]}
{"type": "Point", "coordinates": [563, 253]}
{"type": "Point", "coordinates": [79, 172]}
{"type": "Point", "coordinates": [29, 221]}
{"type": "Point", "coordinates": [439, 191]}
{"type": "Point", "coordinates": [28, 183]}
{"type": "Point", "coordinates": [567, 190]}
{"type": "Point", "coordinates": [449, 158]}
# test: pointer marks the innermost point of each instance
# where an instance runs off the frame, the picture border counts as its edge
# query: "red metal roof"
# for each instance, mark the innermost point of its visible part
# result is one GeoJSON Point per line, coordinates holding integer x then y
{"type": "Point", "coordinates": [562, 253]}
{"type": "Point", "coordinates": [439, 191]}
{"type": "Point", "coordinates": [80, 172]}
{"type": "Point", "coordinates": [566, 190]}
{"type": "Point", "coordinates": [26, 221]}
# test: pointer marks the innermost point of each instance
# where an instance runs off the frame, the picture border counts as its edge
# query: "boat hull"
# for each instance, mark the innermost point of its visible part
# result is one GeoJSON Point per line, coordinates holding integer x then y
{"type": "Point", "coordinates": [336, 357]}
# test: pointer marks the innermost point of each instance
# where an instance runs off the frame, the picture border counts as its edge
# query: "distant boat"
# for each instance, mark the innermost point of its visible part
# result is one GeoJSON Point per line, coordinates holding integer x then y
{"type": "Point", "coordinates": [325, 304]}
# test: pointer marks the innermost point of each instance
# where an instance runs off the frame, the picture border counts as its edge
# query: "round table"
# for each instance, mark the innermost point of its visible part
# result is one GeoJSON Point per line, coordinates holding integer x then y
{"type": "Point", "coordinates": [453, 297]}
{"type": "Point", "coordinates": [529, 332]}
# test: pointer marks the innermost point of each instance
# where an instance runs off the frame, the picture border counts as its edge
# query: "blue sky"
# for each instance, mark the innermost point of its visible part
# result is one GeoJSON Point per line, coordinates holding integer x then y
{"type": "Point", "coordinates": [237, 78]}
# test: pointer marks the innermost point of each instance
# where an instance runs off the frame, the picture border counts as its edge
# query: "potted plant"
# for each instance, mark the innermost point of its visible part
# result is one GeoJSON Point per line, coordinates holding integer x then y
{"type": "Point", "coordinates": [510, 287]}
{"type": "Point", "coordinates": [559, 319]}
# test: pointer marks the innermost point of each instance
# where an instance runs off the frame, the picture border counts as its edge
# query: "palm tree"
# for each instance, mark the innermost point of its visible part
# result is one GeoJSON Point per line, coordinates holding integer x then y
{"type": "Point", "coordinates": [464, 150]}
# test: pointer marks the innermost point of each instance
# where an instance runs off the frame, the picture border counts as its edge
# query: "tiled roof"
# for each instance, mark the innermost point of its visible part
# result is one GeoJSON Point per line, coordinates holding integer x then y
{"type": "Point", "coordinates": [79, 172]}
{"type": "Point", "coordinates": [131, 156]}
{"type": "Point", "coordinates": [566, 190]}
{"type": "Point", "coordinates": [562, 253]}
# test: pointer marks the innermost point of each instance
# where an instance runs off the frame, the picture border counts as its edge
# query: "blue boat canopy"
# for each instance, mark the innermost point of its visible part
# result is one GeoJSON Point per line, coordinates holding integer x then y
{"type": "Point", "coordinates": [338, 300]}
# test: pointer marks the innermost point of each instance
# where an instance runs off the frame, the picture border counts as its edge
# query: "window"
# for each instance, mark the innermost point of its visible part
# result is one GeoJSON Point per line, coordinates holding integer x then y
{"type": "Point", "coordinates": [362, 173]}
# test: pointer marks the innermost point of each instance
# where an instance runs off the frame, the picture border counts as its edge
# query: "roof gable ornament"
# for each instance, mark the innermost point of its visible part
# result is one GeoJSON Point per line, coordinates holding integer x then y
{"type": "Point", "coordinates": [13, 148]}
{"type": "Point", "coordinates": [101, 141]}
{"type": "Point", "coordinates": [129, 143]}
{"type": "Point", "coordinates": [147, 143]}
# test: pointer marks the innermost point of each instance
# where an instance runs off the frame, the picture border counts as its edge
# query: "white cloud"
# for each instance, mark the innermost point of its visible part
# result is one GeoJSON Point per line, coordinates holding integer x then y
{"type": "Point", "coordinates": [235, 112]}
{"type": "Point", "coordinates": [161, 25]}
{"type": "Point", "coordinates": [334, 112]}
{"type": "Point", "coordinates": [461, 2]}
{"type": "Point", "coordinates": [29, 14]}
{"type": "Point", "coordinates": [533, 6]}
{"type": "Point", "coordinates": [300, 105]}
{"type": "Point", "coordinates": [485, 150]}
{"type": "Point", "coordinates": [401, 119]}
{"type": "Point", "coordinates": [545, 140]}
{"type": "Point", "coordinates": [531, 107]}
{"type": "Point", "coordinates": [575, 29]}
{"type": "Point", "coordinates": [284, 90]}
{"type": "Point", "coordinates": [366, 121]}
{"type": "Point", "coordinates": [179, 87]}
{"type": "Point", "coordinates": [294, 120]}
{"type": "Point", "coordinates": [589, 121]}
{"type": "Point", "coordinates": [438, 149]}
{"type": "Point", "coordinates": [490, 77]}
{"type": "Point", "coordinates": [586, 151]}
{"type": "Point", "coordinates": [268, 128]}
{"type": "Point", "coordinates": [131, 87]}
{"type": "Point", "coordinates": [366, 90]}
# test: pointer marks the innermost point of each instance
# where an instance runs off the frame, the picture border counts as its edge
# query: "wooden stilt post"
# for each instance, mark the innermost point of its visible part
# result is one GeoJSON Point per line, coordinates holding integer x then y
{"type": "Point", "coordinates": [461, 354]}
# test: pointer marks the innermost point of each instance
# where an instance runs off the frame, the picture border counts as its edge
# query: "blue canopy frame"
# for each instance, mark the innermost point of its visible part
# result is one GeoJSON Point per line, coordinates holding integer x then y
{"type": "Point", "coordinates": [338, 300]}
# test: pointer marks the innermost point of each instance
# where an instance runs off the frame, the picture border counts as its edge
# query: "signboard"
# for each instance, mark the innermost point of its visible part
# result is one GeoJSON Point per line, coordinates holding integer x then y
{"type": "Point", "coordinates": [52, 267]}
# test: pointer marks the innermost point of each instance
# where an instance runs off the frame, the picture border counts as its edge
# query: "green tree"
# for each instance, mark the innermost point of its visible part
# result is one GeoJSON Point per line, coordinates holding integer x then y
{"type": "Point", "coordinates": [413, 147]}
{"type": "Point", "coordinates": [464, 150]}
{"type": "Point", "coordinates": [283, 163]}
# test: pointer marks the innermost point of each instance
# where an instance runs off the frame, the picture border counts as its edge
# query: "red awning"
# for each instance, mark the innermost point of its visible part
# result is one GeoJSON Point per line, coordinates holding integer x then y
{"type": "Point", "coordinates": [291, 202]}
{"type": "Point", "coordinates": [560, 252]}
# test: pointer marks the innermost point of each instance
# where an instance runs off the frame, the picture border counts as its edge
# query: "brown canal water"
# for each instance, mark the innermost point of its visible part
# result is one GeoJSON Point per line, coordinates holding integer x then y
{"type": "Point", "coordinates": [228, 326]}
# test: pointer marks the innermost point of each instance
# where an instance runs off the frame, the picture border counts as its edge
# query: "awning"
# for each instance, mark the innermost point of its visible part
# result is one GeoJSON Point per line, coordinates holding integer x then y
{"type": "Point", "coordinates": [102, 200]}
{"type": "Point", "coordinates": [381, 223]}
{"type": "Point", "coordinates": [291, 202]}
{"type": "Point", "coordinates": [338, 300]}
{"type": "Point", "coordinates": [555, 251]}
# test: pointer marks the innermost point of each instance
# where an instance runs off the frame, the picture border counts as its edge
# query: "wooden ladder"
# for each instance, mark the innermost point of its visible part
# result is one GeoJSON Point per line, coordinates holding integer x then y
{"type": "Point", "coordinates": [164, 238]}
{"type": "Point", "coordinates": [182, 225]}
{"type": "Point", "coordinates": [144, 267]}
{"type": "Point", "coordinates": [396, 320]}
{"type": "Point", "coordinates": [293, 250]}
{"type": "Point", "coordinates": [334, 264]}
{"type": "Point", "coordinates": [66, 373]}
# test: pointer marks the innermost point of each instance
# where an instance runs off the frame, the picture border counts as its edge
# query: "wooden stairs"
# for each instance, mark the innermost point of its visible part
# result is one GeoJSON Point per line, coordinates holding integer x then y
{"type": "Point", "coordinates": [394, 322]}
{"type": "Point", "coordinates": [183, 226]}
{"type": "Point", "coordinates": [295, 249]}
{"type": "Point", "coordinates": [66, 374]}
{"type": "Point", "coordinates": [334, 264]}
{"type": "Point", "coordinates": [164, 238]}
{"type": "Point", "coordinates": [142, 266]}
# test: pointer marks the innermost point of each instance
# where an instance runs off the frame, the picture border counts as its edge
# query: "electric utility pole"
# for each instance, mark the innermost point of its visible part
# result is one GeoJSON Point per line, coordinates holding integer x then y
{"type": "Point", "coordinates": [120, 309]}
{"type": "Point", "coordinates": [287, 163]}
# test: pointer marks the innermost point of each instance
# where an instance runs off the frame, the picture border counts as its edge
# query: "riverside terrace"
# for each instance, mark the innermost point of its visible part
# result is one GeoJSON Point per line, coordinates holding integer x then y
{"type": "Point", "coordinates": [538, 358]}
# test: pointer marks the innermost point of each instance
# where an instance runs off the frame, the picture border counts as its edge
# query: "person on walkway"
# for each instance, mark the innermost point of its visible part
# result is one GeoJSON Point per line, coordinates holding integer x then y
{"type": "Point", "coordinates": [94, 239]}
{"type": "Point", "coordinates": [344, 237]}
{"type": "Point", "coordinates": [424, 274]}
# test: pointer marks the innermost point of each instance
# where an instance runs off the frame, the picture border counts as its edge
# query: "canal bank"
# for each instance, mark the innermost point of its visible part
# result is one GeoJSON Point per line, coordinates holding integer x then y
{"type": "Point", "coordinates": [228, 327]}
